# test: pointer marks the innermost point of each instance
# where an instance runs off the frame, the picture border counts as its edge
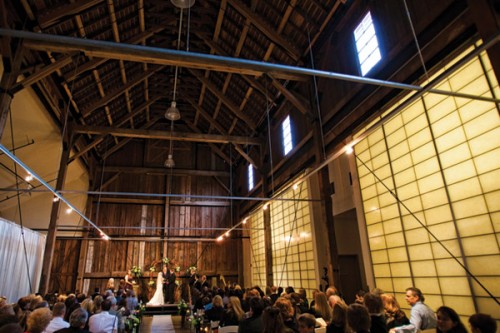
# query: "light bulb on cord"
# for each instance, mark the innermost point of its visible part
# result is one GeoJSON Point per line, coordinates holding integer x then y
{"type": "Point", "coordinates": [29, 177]}
{"type": "Point", "coordinates": [348, 149]}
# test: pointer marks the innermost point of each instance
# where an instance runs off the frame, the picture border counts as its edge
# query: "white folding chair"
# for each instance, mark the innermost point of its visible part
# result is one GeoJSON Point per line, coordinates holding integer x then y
{"type": "Point", "coordinates": [229, 329]}
{"type": "Point", "coordinates": [214, 325]}
{"type": "Point", "coordinates": [320, 330]}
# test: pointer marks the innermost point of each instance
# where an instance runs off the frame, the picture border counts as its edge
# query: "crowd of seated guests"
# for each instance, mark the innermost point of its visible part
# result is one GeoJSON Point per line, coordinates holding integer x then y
{"type": "Point", "coordinates": [68, 313]}
{"type": "Point", "coordinates": [286, 311]}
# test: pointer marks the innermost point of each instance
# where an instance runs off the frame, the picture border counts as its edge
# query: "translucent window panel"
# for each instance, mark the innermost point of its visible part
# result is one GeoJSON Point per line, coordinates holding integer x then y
{"type": "Point", "coordinates": [386, 199]}
{"type": "Point", "coordinates": [377, 148]}
{"type": "Point", "coordinates": [389, 212]}
{"type": "Point", "coordinates": [430, 285]}
{"type": "Point", "coordinates": [469, 207]}
{"type": "Point", "coordinates": [488, 306]}
{"type": "Point", "coordinates": [488, 161]}
{"type": "Point", "coordinates": [451, 185]}
{"type": "Point", "coordinates": [442, 109]}
{"type": "Point", "coordinates": [455, 155]}
{"type": "Point", "coordinates": [424, 152]}
{"type": "Point", "coordinates": [455, 286]}
{"type": "Point", "coordinates": [419, 139]}
{"type": "Point", "coordinates": [375, 137]}
{"type": "Point", "coordinates": [446, 124]}
{"type": "Point", "coordinates": [478, 245]}
{"type": "Point", "coordinates": [485, 142]}
{"type": "Point", "coordinates": [461, 304]}
{"type": "Point", "coordinates": [423, 268]}
{"type": "Point", "coordinates": [490, 283]}
{"type": "Point", "coordinates": [370, 192]}
{"type": "Point", "coordinates": [393, 125]}
{"type": "Point", "coordinates": [375, 230]}
{"type": "Point", "coordinates": [379, 257]}
{"type": "Point", "coordinates": [459, 172]}
{"type": "Point", "coordinates": [420, 252]}
{"type": "Point", "coordinates": [383, 283]}
{"type": "Point", "coordinates": [493, 201]}
{"type": "Point", "coordinates": [449, 267]}
{"type": "Point", "coordinates": [382, 270]}
{"type": "Point", "coordinates": [474, 108]}
{"type": "Point", "coordinates": [451, 245]}
{"type": "Point", "coordinates": [416, 125]}
{"type": "Point", "coordinates": [464, 189]}
{"type": "Point", "coordinates": [397, 254]}
{"type": "Point", "coordinates": [427, 167]}
{"type": "Point", "coordinates": [401, 283]}
{"type": "Point", "coordinates": [380, 160]}
{"type": "Point", "coordinates": [373, 216]}
{"type": "Point", "coordinates": [438, 214]}
{"type": "Point", "coordinates": [366, 180]}
{"type": "Point", "coordinates": [430, 183]}
{"type": "Point", "coordinates": [401, 269]}
{"type": "Point", "coordinates": [402, 163]}
{"type": "Point", "coordinates": [483, 123]}
{"type": "Point", "coordinates": [474, 226]}
{"type": "Point", "coordinates": [450, 139]}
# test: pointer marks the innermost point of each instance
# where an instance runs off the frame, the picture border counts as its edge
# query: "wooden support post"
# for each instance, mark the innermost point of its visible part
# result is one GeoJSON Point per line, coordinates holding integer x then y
{"type": "Point", "coordinates": [268, 242]}
{"type": "Point", "coordinates": [487, 20]}
{"type": "Point", "coordinates": [51, 235]}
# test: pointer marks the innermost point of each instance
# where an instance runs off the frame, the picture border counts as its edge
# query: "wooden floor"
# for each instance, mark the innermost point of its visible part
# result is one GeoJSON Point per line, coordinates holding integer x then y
{"type": "Point", "coordinates": [146, 326]}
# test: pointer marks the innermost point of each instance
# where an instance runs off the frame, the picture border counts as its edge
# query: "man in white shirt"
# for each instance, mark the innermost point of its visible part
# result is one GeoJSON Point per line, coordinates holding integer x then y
{"type": "Point", "coordinates": [57, 321]}
{"type": "Point", "coordinates": [421, 318]}
{"type": "Point", "coordinates": [103, 322]}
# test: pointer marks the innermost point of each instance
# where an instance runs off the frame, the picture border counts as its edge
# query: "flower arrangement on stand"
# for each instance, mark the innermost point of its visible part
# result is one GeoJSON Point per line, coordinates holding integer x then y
{"type": "Point", "coordinates": [133, 321]}
{"type": "Point", "coordinates": [136, 271]}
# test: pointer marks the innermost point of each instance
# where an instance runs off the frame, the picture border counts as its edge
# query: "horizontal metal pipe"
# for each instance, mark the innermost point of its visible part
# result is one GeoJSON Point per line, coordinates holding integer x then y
{"type": "Point", "coordinates": [152, 228]}
{"type": "Point", "coordinates": [140, 53]}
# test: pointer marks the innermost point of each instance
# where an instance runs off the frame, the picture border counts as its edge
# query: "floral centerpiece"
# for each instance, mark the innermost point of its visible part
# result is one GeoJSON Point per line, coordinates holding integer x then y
{"type": "Point", "coordinates": [165, 260]}
{"type": "Point", "coordinates": [191, 269]}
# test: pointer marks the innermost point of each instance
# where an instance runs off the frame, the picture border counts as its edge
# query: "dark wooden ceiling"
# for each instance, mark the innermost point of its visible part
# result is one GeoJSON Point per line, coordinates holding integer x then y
{"type": "Point", "coordinates": [134, 95]}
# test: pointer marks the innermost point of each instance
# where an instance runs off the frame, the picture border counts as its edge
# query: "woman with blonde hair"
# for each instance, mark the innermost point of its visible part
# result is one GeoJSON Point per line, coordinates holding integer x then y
{"type": "Point", "coordinates": [287, 312]}
{"type": "Point", "coordinates": [234, 313]}
{"type": "Point", "coordinates": [321, 307]}
{"type": "Point", "coordinates": [38, 320]}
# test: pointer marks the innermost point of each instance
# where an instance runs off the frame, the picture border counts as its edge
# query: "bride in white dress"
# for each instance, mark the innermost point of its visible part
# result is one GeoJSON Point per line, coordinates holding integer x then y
{"type": "Point", "coordinates": [158, 296]}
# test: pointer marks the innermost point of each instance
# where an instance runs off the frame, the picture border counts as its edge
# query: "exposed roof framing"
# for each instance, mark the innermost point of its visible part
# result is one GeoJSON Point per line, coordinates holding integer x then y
{"type": "Point", "coordinates": [126, 90]}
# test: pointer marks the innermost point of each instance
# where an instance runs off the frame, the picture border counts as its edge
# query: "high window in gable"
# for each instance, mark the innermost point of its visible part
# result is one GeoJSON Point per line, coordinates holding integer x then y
{"type": "Point", "coordinates": [367, 44]}
{"type": "Point", "coordinates": [287, 135]}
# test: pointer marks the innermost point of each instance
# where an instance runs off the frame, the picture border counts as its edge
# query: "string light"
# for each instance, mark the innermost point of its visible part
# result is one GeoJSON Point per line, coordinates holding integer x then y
{"type": "Point", "coordinates": [29, 177]}
{"type": "Point", "coordinates": [220, 238]}
{"type": "Point", "coordinates": [55, 199]}
{"type": "Point", "coordinates": [265, 206]}
{"type": "Point", "coordinates": [69, 210]}
{"type": "Point", "coordinates": [348, 149]}
{"type": "Point", "coordinates": [295, 186]}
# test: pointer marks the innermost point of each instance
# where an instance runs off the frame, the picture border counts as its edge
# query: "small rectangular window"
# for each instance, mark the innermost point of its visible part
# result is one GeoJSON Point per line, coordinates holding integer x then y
{"type": "Point", "coordinates": [367, 44]}
{"type": "Point", "coordinates": [287, 135]}
{"type": "Point", "coordinates": [250, 177]}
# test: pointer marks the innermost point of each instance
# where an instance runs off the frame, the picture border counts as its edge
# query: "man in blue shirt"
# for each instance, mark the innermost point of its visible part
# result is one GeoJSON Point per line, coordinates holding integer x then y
{"type": "Point", "coordinates": [421, 318]}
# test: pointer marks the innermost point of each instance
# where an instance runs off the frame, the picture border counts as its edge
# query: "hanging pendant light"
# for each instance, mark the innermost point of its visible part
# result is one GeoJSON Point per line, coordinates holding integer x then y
{"type": "Point", "coordinates": [183, 4]}
{"type": "Point", "coordinates": [170, 163]}
{"type": "Point", "coordinates": [173, 112]}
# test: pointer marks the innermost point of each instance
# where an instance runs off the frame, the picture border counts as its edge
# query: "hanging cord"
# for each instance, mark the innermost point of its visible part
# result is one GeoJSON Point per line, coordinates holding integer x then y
{"type": "Point", "coordinates": [294, 223]}
{"type": "Point", "coordinates": [178, 46]}
{"type": "Point", "coordinates": [269, 140]}
{"type": "Point", "coordinates": [189, 23]}
{"type": "Point", "coordinates": [19, 203]}
{"type": "Point", "coordinates": [416, 40]}
{"type": "Point", "coordinates": [256, 265]}
{"type": "Point", "coordinates": [428, 231]}
{"type": "Point", "coordinates": [102, 181]}
{"type": "Point", "coordinates": [317, 97]}
{"type": "Point", "coordinates": [231, 180]}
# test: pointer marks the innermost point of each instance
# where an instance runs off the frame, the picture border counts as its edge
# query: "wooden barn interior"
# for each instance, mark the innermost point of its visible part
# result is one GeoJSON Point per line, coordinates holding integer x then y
{"type": "Point", "coordinates": [353, 143]}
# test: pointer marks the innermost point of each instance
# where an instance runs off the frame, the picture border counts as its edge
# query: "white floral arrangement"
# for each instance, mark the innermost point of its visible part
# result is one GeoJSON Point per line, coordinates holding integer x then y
{"type": "Point", "coordinates": [165, 260]}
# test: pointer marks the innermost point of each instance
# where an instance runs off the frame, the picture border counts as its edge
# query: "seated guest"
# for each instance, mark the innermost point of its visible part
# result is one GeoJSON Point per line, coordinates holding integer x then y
{"type": "Point", "coordinates": [11, 328]}
{"type": "Point", "coordinates": [360, 296]}
{"type": "Point", "coordinates": [448, 321]}
{"type": "Point", "coordinates": [253, 324]}
{"type": "Point", "coordinates": [287, 312]}
{"type": "Point", "coordinates": [57, 321]}
{"type": "Point", "coordinates": [103, 322]}
{"type": "Point", "coordinates": [321, 307]}
{"type": "Point", "coordinates": [375, 308]}
{"type": "Point", "coordinates": [216, 312]}
{"type": "Point", "coordinates": [77, 322]}
{"type": "Point", "coordinates": [482, 323]}
{"type": "Point", "coordinates": [303, 303]}
{"type": "Point", "coordinates": [307, 323]}
{"type": "Point", "coordinates": [421, 316]}
{"type": "Point", "coordinates": [234, 313]}
{"type": "Point", "coordinates": [394, 316]}
{"type": "Point", "coordinates": [273, 323]}
{"type": "Point", "coordinates": [358, 318]}
{"type": "Point", "coordinates": [339, 319]}
{"type": "Point", "coordinates": [132, 301]}
{"type": "Point", "coordinates": [38, 320]}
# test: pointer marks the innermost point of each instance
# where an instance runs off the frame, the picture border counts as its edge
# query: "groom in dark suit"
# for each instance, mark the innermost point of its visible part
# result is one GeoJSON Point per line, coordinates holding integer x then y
{"type": "Point", "coordinates": [165, 276]}
{"type": "Point", "coordinates": [171, 285]}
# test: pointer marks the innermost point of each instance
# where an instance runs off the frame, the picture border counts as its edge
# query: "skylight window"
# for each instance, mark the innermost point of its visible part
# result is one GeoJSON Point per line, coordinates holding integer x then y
{"type": "Point", "coordinates": [287, 135]}
{"type": "Point", "coordinates": [367, 44]}
{"type": "Point", "coordinates": [251, 183]}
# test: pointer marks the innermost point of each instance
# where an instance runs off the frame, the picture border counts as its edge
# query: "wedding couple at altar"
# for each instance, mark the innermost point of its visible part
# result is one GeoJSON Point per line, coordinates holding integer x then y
{"type": "Point", "coordinates": [165, 287]}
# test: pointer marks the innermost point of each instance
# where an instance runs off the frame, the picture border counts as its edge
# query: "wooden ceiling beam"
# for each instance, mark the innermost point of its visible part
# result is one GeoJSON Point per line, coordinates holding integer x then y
{"type": "Point", "coordinates": [122, 122]}
{"type": "Point", "coordinates": [49, 17]}
{"type": "Point", "coordinates": [118, 92]}
{"type": "Point", "coordinates": [231, 106]}
{"type": "Point", "coordinates": [291, 97]}
{"type": "Point", "coordinates": [264, 27]}
{"type": "Point", "coordinates": [216, 149]}
{"type": "Point", "coordinates": [163, 171]}
{"type": "Point", "coordinates": [164, 135]}
{"type": "Point", "coordinates": [43, 72]}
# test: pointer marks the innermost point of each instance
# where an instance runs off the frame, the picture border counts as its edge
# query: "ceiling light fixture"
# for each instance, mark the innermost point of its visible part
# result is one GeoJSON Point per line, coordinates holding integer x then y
{"type": "Point", "coordinates": [183, 4]}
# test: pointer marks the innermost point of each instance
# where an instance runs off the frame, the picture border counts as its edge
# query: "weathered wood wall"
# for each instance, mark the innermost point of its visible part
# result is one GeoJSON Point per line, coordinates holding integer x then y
{"type": "Point", "coordinates": [188, 220]}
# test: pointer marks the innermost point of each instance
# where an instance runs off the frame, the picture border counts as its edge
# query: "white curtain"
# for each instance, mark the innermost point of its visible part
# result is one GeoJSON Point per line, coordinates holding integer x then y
{"type": "Point", "coordinates": [15, 262]}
